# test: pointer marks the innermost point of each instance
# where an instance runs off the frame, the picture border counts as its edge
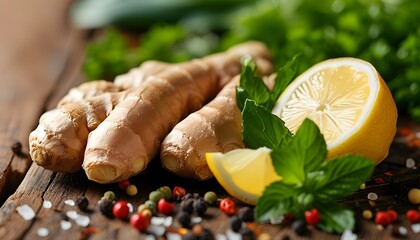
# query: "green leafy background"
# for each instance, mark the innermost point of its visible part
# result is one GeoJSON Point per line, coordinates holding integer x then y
{"type": "Point", "coordinates": [383, 32]}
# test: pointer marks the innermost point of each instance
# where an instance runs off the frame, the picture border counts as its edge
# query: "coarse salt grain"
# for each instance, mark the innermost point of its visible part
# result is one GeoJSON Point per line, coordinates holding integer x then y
{"type": "Point", "coordinates": [65, 225]}
{"type": "Point", "coordinates": [26, 212]}
{"type": "Point", "coordinates": [82, 220]}
{"type": "Point", "coordinates": [156, 230]}
{"type": "Point", "coordinates": [168, 221]}
{"type": "Point", "coordinates": [372, 196]}
{"type": "Point", "coordinates": [149, 237]}
{"type": "Point", "coordinates": [46, 204]}
{"type": "Point", "coordinates": [42, 232]}
{"type": "Point", "coordinates": [231, 235]}
{"type": "Point", "coordinates": [130, 207]}
{"type": "Point", "coordinates": [195, 220]}
{"type": "Point", "coordinates": [157, 220]}
{"type": "Point", "coordinates": [348, 235]}
{"type": "Point", "coordinates": [69, 202]}
{"type": "Point", "coordinates": [415, 227]}
{"type": "Point", "coordinates": [403, 231]}
{"type": "Point", "coordinates": [417, 134]}
{"type": "Point", "coordinates": [173, 236]}
{"type": "Point", "coordinates": [410, 163]}
{"type": "Point", "coordinates": [72, 214]}
{"type": "Point", "coordinates": [220, 236]}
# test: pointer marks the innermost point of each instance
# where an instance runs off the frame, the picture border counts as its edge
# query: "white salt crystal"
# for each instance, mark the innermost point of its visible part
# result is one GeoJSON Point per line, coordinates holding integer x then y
{"type": "Point", "coordinates": [65, 225]}
{"type": "Point", "coordinates": [231, 235]}
{"type": "Point", "coordinates": [130, 207]}
{"type": "Point", "coordinates": [82, 220]}
{"type": "Point", "coordinates": [403, 231]}
{"type": "Point", "coordinates": [195, 220]}
{"type": "Point", "coordinates": [25, 212]}
{"type": "Point", "coordinates": [220, 236]}
{"type": "Point", "coordinates": [42, 232]}
{"type": "Point", "coordinates": [149, 237]}
{"type": "Point", "coordinates": [72, 214]}
{"type": "Point", "coordinates": [46, 204]}
{"type": "Point", "coordinates": [348, 235]}
{"type": "Point", "coordinates": [372, 196]}
{"type": "Point", "coordinates": [410, 163]}
{"type": "Point", "coordinates": [277, 220]}
{"type": "Point", "coordinates": [415, 227]}
{"type": "Point", "coordinates": [69, 202]}
{"type": "Point", "coordinates": [157, 220]}
{"type": "Point", "coordinates": [168, 221]}
{"type": "Point", "coordinates": [173, 236]}
{"type": "Point", "coordinates": [156, 230]}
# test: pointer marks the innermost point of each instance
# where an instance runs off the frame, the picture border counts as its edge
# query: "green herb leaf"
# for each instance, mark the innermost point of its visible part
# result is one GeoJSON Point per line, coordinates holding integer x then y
{"type": "Point", "coordinates": [342, 176]}
{"type": "Point", "coordinates": [277, 199]}
{"type": "Point", "coordinates": [304, 153]}
{"type": "Point", "coordinates": [262, 128]}
{"type": "Point", "coordinates": [251, 86]}
{"type": "Point", "coordinates": [335, 218]}
{"type": "Point", "coordinates": [285, 75]}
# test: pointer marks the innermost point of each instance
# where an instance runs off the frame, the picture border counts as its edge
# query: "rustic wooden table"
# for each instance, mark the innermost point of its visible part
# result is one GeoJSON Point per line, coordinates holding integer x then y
{"type": "Point", "coordinates": [40, 60]}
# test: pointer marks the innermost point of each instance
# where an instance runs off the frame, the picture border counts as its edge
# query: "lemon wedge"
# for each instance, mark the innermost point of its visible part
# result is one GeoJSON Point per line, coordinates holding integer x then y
{"type": "Point", "coordinates": [243, 173]}
{"type": "Point", "coordinates": [350, 103]}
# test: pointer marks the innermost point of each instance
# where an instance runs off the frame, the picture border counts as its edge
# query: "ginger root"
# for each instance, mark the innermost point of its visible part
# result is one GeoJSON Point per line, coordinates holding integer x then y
{"type": "Point", "coordinates": [125, 142]}
{"type": "Point", "coordinates": [214, 128]}
{"type": "Point", "coordinates": [59, 141]}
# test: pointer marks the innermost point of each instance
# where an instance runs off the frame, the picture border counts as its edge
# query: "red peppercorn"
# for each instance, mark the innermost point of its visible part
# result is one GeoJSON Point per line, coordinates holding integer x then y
{"type": "Point", "coordinates": [178, 192]}
{"type": "Point", "coordinates": [139, 221]}
{"type": "Point", "coordinates": [228, 206]}
{"type": "Point", "coordinates": [392, 215]}
{"type": "Point", "coordinates": [413, 215]}
{"type": "Point", "coordinates": [379, 180]}
{"type": "Point", "coordinates": [382, 218]}
{"type": "Point", "coordinates": [405, 131]}
{"type": "Point", "coordinates": [124, 184]}
{"type": "Point", "coordinates": [120, 209]}
{"type": "Point", "coordinates": [312, 217]}
{"type": "Point", "coordinates": [165, 207]}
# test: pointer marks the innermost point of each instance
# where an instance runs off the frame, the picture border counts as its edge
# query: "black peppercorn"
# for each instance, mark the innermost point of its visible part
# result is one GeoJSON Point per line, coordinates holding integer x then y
{"type": "Point", "coordinates": [199, 206]}
{"type": "Point", "coordinates": [187, 205]}
{"type": "Point", "coordinates": [206, 235]}
{"type": "Point", "coordinates": [82, 202]}
{"type": "Point", "coordinates": [190, 236]}
{"type": "Point", "coordinates": [246, 214]}
{"type": "Point", "coordinates": [17, 148]}
{"type": "Point", "coordinates": [184, 219]}
{"type": "Point", "coordinates": [235, 223]}
{"type": "Point", "coordinates": [105, 206]}
{"type": "Point", "coordinates": [299, 227]}
{"type": "Point", "coordinates": [246, 234]}
{"type": "Point", "coordinates": [187, 196]}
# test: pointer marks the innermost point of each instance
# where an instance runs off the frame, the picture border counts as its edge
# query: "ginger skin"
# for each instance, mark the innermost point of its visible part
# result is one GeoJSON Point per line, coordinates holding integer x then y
{"type": "Point", "coordinates": [59, 141]}
{"type": "Point", "coordinates": [214, 128]}
{"type": "Point", "coordinates": [125, 142]}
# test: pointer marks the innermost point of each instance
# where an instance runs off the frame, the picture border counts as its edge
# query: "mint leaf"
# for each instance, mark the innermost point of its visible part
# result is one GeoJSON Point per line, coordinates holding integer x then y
{"type": "Point", "coordinates": [277, 199]}
{"type": "Point", "coordinates": [251, 86]}
{"type": "Point", "coordinates": [304, 153]}
{"type": "Point", "coordinates": [342, 176]}
{"type": "Point", "coordinates": [285, 75]}
{"type": "Point", "coordinates": [335, 218]}
{"type": "Point", "coordinates": [262, 128]}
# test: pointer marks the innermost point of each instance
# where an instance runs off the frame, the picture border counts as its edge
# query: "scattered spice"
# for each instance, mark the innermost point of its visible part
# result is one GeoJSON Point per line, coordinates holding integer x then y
{"type": "Point", "coordinates": [362, 186]}
{"type": "Point", "coordinates": [235, 223]}
{"type": "Point", "coordinates": [299, 227]}
{"type": "Point", "coordinates": [415, 227]}
{"type": "Point", "coordinates": [187, 205]}
{"type": "Point", "coordinates": [46, 204]}
{"type": "Point", "coordinates": [82, 203]}
{"type": "Point", "coordinates": [17, 149]}
{"type": "Point", "coordinates": [413, 215]}
{"type": "Point", "coordinates": [199, 206]}
{"type": "Point", "coordinates": [82, 220]}
{"type": "Point", "coordinates": [410, 163]}
{"type": "Point", "coordinates": [389, 174]}
{"type": "Point", "coordinates": [69, 202]}
{"type": "Point", "coordinates": [88, 231]}
{"type": "Point", "coordinates": [348, 235]}
{"type": "Point", "coordinates": [178, 192]}
{"type": "Point", "coordinates": [120, 209]}
{"type": "Point", "coordinates": [139, 221]}
{"type": "Point", "coordinates": [155, 196]}
{"type": "Point", "coordinates": [382, 218]}
{"type": "Point", "coordinates": [246, 214]}
{"type": "Point", "coordinates": [166, 192]}
{"type": "Point", "coordinates": [210, 198]}
{"type": "Point", "coordinates": [367, 214]}
{"type": "Point", "coordinates": [65, 225]}
{"type": "Point", "coordinates": [72, 214]}
{"type": "Point", "coordinates": [184, 219]}
{"type": "Point", "coordinates": [165, 207]}
{"type": "Point", "coordinates": [246, 234]}
{"type": "Point", "coordinates": [131, 190]}
{"type": "Point", "coordinates": [399, 231]}
{"type": "Point", "coordinates": [106, 206]}
{"type": "Point", "coordinates": [109, 195]}
{"type": "Point", "coordinates": [151, 205]}
{"type": "Point", "coordinates": [372, 196]}
{"type": "Point", "coordinates": [379, 180]}
{"type": "Point", "coordinates": [414, 196]}
{"type": "Point", "coordinates": [392, 215]}
{"type": "Point", "coordinates": [124, 184]}
{"type": "Point", "coordinates": [228, 206]}
{"type": "Point", "coordinates": [312, 217]}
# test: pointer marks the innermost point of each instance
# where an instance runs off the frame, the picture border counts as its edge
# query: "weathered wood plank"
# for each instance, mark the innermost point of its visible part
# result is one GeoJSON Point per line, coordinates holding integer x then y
{"type": "Point", "coordinates": [38, 49]}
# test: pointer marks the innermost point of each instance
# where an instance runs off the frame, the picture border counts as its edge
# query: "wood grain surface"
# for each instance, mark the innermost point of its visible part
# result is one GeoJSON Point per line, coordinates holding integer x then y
{"type": "Point", "coordinates": [41, 55]}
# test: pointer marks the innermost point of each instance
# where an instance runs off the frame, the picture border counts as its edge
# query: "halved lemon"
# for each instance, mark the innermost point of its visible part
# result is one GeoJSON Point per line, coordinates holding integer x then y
{"type": "Point", "coordinates": [350, 103]}
{"type": "Point", "coordinates": [243, 173]}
